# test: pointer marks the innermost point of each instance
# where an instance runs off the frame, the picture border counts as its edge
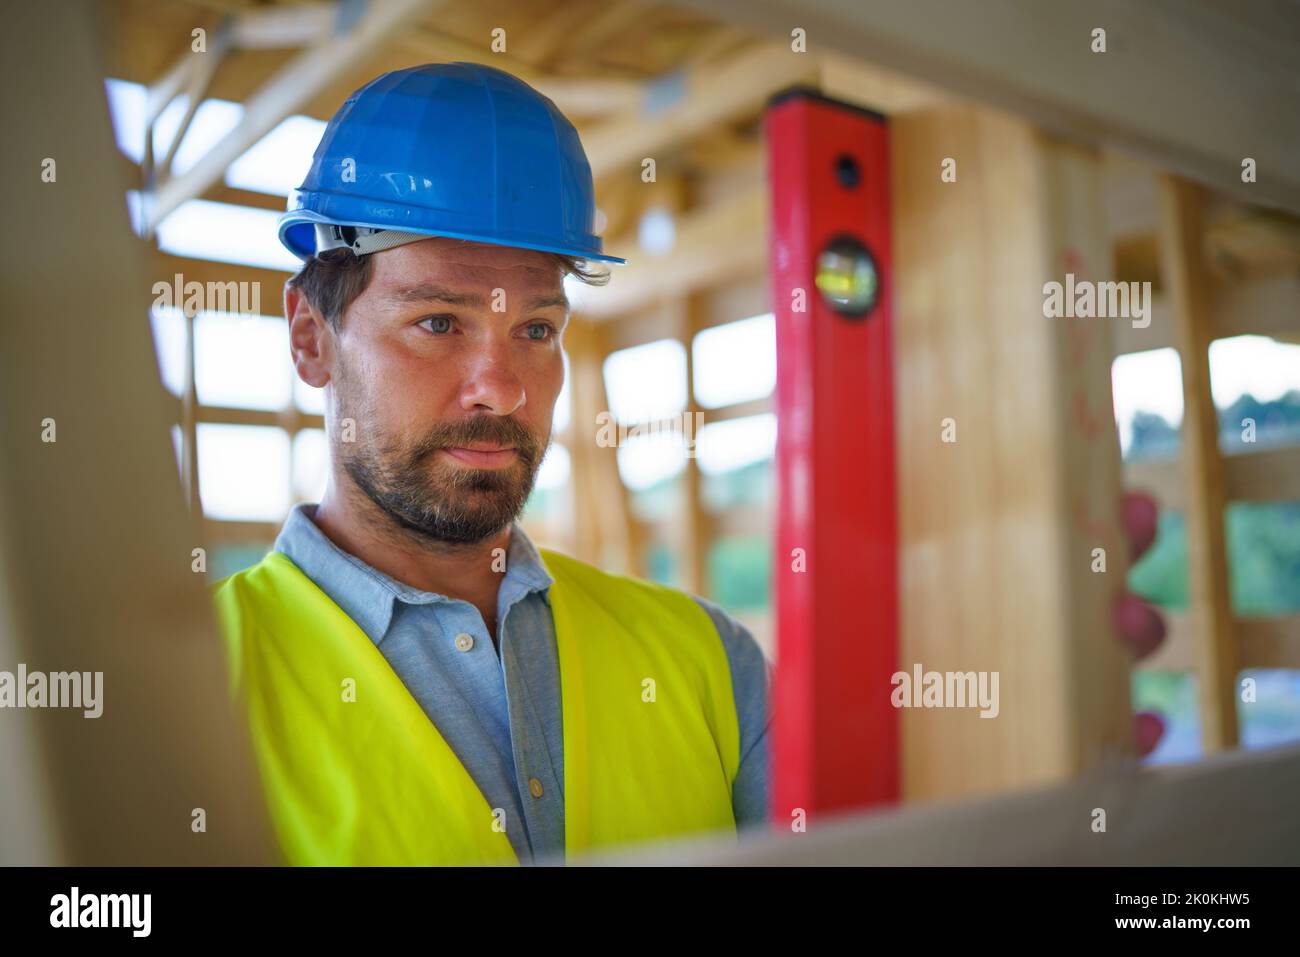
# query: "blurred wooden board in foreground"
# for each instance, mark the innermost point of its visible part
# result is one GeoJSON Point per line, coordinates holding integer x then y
{"type": "Point", "coordinates": [1235, 809]}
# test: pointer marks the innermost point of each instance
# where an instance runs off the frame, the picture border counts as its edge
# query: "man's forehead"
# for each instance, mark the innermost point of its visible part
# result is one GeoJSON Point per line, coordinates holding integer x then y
{"type": "Point", "coordinates": [464, 273]}
{"type": "Point", "coordinates": [461, 294]}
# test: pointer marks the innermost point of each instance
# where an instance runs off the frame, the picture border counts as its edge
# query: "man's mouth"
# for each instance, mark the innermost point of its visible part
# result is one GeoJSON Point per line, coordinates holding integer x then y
{"type": "Point", "coordinates": [483, 455]}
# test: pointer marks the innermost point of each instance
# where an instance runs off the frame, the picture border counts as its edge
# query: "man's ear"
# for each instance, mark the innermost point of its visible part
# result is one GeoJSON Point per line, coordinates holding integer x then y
{"type": "Point", "coordinates": [311, 340]}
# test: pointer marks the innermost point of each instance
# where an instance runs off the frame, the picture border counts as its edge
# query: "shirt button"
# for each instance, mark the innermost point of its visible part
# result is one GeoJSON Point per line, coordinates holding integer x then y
{"type": "Point", "coordinates": [464, 642]}
{"type": "Point", "coordinates": [535, 787]}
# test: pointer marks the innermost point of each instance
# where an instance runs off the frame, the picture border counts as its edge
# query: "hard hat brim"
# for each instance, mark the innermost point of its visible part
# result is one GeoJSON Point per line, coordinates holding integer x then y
{"type": "Point", "coordinates": [297, 232]}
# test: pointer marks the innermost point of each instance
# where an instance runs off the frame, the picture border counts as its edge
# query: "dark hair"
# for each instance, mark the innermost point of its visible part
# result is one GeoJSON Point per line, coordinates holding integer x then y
{"type": "Point", "coordinates": [332, 280]}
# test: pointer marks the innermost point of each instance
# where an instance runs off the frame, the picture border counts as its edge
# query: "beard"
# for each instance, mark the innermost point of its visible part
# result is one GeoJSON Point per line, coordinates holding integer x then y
{"type": "Point", "coordinates": [432, 497]}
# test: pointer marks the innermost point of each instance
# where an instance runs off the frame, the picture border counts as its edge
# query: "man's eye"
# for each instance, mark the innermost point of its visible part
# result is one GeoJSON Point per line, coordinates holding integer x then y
{"type": "Point", "coordinates": [438, 323]}
{"type": "Point", "coordinates": [540, 330]}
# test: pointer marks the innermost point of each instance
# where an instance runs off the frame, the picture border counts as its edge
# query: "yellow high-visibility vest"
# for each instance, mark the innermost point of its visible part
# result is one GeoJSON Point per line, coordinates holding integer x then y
{"type": "Point", "coordinates": [354, 772]}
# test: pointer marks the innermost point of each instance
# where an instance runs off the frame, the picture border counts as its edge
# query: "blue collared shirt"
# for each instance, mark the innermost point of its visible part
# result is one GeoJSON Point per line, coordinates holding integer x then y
{"type": "Point", "coordinates": [498, 707]}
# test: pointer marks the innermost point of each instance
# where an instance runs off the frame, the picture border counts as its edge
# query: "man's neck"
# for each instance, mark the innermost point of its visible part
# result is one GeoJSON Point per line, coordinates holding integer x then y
{"type": "Point", "coordinates": [467, 572]}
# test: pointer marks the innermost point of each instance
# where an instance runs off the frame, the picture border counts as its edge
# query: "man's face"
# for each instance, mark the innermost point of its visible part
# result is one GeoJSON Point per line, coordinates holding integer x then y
{"type": "Point", "coordinates": [452, 398]}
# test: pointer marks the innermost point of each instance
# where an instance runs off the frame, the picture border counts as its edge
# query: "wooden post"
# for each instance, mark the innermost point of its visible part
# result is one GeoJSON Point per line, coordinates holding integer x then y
{"type": "Point", "coordinates": [696, 529]}
{"type": "Point", "coordinates": [98, 572]}
{"type": "Point", "coordinates": [1009, 470]}
{"type": "Point", "coordinates": [1192, 303]}
{"type": "Point", "coordinates": [604, 529]}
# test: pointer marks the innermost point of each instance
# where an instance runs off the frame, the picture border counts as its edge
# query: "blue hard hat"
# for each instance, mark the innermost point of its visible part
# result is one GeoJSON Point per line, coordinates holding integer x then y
{"type": "Point", "coordinates": [450, 149]}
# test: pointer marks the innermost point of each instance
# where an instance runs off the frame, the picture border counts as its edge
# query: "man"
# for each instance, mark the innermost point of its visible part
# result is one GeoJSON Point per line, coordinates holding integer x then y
{"type": "Point", "coordinates": [422, 683]}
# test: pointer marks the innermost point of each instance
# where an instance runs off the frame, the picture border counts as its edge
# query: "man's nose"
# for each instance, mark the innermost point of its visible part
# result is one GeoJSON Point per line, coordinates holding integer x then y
{"type": "Point", "coordinates": [490, 382]}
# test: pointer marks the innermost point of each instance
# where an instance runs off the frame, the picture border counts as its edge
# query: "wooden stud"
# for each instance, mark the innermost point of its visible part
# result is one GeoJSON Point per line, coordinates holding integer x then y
{"type": "Point", "coordinates": [1185, 278]}
{"type": "Point", "coordinates": [998, 528]}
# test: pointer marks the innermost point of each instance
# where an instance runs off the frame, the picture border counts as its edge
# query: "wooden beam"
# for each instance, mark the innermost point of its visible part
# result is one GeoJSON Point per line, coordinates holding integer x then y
{"type": "Point", "coordinates": [713, 246]}
{"type": "Point", "coordinates": [269, 283]}
{"type": "Point", "coordinates": [1181, 234]}
{"type": "Point", "coordinates": [999, 526]}
{"type": "Point", "coordinates": [604, 531]}
{"type": "Point", "coordinates": [577, 97]}
{"type": "Point", "coordinates": [1262, 642]}
{"type": "Point", "coordinates": [696, 524]}
{"type": "Point", "coordinates": [1189, 86]}
{"type": "Point", "coordinates": [221, 193]}
{"type": "Point", "coordinates": [291, 420]}
{"type": "Point", "coordinates": [1263, 307]}
{"type": "Point", "coordinates": [1254, 242]}
{"type": "Point", "coordinates": [1159, 334]}
{"type": "Point", "coordinates": [1231, 809]}
{"type": "Point", "coordinates": [269, 28]}
{"type": "Point", "coordinates": [1239, 307]}
{"type": "Point", "coordinates": [739, 410]}
{"type": "Point", "coordinates": [123, 787]}
{"type": "Point", "coordinates": [711, 95]}
{"type": "Point", "coordinates": [720, 42]}
{"type": "Point", "coordinates": [1258, 475]}
{"type": "Point", "coordinates": [866, 84]}
{"type": "Point", "coordinates": [293, 86]}
{"type": "Point", "coordinates": [619, 16]}
{"type": "Point", "coordinates": [198, 80]}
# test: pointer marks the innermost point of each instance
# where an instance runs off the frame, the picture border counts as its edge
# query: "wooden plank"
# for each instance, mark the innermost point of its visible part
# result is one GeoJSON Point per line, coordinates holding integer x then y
{"type": "Point", "coordinates": [575, 96]}
{"type": "Point", "coordinates": [998, 527]}
{"type": "Point", "coordinates": [866, 84]}
{"type": "Point", "coordinates": [1160, 334]}
{"type": "Point", "coordinates": [97, 541]}
{"type": "Point", "coordinates": [1182, 261]}
{"type": "Point", "coordinates": [1262, 642]}
{"type": "Point", "coordinates": [269, 283]}
{"type": "Point", "coordinates": [604, 531]}
{"type": "Point", "coordinates": [1261, 307]}
{"type": "Point", "coordinates": [1236, 808]}
{"type": "Point", "coordinates": [696, 525]}
{"type": "Point", "coordinates": [1250, 306]}
{"type": "Point", "coordinates": [1260, 475]}
{"type": "Point", "coordinates": [715, 245]}
{"type": "Point", "coordinates": [711, 95]}
{"type": "Point", "coordinates": [693, 530]}
{"type": "Point", "coordinates": [291, 420]}
{"type": "Point", "coordinates": [1187, 85]}
{"type": "Point", "coordinates": [1253, 242]}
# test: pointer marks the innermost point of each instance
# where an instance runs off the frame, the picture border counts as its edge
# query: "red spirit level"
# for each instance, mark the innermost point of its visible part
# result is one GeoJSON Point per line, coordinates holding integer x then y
{"type": "Point", "coordinates": [835, 733]}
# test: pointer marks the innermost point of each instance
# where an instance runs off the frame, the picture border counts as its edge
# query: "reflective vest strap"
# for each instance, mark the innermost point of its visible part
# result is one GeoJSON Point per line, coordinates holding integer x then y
{"type": "Point", "coordinates": [651, 737]}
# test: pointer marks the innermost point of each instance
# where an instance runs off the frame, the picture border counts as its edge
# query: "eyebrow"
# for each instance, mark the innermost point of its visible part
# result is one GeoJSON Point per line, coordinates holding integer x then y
{"type": "Point", "coordinates": [431, 292]}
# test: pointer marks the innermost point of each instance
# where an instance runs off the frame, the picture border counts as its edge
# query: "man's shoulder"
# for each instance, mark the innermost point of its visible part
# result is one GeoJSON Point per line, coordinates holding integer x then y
{"type": "Point", "coordinates": [739, 641]}
{"type": "Point", "coordinates": [265, 578]}
{"type": "Point", "coordinates": [743, 649]}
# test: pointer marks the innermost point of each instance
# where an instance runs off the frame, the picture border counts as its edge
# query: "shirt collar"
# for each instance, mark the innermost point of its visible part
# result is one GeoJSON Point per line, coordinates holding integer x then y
{"type": "Point", "coordinates": [366, 595]}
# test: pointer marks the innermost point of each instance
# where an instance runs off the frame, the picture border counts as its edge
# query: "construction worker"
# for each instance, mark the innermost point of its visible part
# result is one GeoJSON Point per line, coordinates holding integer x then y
{"type": "Point", "coordinates": [423, 685]}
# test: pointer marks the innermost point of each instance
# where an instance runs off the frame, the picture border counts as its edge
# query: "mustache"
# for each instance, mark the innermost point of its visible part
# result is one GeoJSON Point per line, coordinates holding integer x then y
{"type": "Point", "coordinates": [483, 428]}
